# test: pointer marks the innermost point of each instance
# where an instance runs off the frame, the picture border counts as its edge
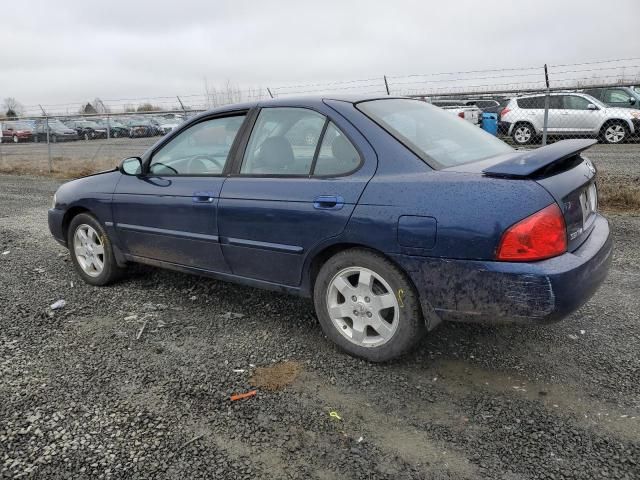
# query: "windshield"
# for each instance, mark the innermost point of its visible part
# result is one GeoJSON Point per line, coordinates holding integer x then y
{"type": "Point", "coordinates": [440, 138]}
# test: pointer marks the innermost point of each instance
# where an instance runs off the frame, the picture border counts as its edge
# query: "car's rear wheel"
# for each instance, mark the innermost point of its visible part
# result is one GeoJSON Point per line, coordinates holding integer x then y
{"type": "Point", "coordinates": [367, 305]}
{"type": "Point", "coordinates": [523, 133]}
{"type": "Point", "coordinates": [91, 251]}
{"type": "Point", "coordinates": [15, 139]}
{"type": "Point", "coordinates": [115, 134]}
{"type": "Point", "coordinates": [614, 132]}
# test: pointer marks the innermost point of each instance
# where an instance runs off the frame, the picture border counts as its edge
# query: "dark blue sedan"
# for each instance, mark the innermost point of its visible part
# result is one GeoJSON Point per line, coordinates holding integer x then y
{"type": "Point", "coordinates": [393, 215]}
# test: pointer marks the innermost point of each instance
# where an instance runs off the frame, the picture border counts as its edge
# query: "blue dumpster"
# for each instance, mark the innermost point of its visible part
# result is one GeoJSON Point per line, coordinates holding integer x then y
{"type": "Point", "coordinates": [490, 123]}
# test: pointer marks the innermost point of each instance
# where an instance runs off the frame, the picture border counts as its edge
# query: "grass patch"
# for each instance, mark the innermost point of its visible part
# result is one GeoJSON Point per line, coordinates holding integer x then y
{"type": "Point", "coordinates": [615, 194]}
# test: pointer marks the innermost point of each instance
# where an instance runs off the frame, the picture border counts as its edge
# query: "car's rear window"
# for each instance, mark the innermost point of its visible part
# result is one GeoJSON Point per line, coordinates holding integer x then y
{"type": "Point", "coordinates": [440, 138]}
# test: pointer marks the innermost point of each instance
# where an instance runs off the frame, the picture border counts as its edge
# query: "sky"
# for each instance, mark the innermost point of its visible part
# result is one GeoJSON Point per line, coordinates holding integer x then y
{"type": "Point", "coordinates": [57, 52]}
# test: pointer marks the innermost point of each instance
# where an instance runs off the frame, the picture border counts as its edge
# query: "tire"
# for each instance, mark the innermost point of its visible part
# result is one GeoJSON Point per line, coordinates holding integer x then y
{"type": "Point", "coordinates": [86, 265]}
{"type": "Point", "coordinates": [402, 323]}
{"type": "Point", "coordinates": [523, 133]}
{"type": "Point", "coordinates": [614, 132]}
{"type": "Point", "coordinates": [115, 134]}
{"type": "Point", "coordinates": [15, 139]}
{"type": "Point", "coordinates": [54, 139]}
{"type": "Point", "coordinates": [86, 136]}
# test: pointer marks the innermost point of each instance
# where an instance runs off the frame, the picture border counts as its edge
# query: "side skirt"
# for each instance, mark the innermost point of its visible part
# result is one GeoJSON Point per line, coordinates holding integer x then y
{"type": "Point", "coordinates": [226, 277]}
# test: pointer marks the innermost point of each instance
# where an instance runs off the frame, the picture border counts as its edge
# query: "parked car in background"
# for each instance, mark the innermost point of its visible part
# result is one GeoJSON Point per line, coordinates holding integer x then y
{"type": "Point", "coordinates": [141, 127]}
{"type": "Point", "coordinates": [570, 115]}
{"type": "Point", "coordinates": [116, 128]}
{"type": "Point", "coordinates": [470, 113]}
{"type": "Point", "coordinates": [58, 131]}
{"type": "Point", "coordinates": [16, 131]}
{"type": "Point", "coordinates": [621, 97]}
{"type": "Point", "coordinates": [167, 124]}
{"type": "Point", "coordinates": [399, 216]}
{"type": "Point", "coordinates": [87, 129]}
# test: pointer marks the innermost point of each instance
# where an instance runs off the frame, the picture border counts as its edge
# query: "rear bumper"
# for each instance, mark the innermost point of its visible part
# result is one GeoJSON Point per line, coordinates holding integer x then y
{"type": "Point", "coordinates": [500, 292]}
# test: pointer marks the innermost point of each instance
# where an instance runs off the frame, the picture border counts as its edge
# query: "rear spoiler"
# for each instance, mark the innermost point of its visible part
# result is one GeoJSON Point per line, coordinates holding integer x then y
{"type": "Point", "coordinates": [527, 164]}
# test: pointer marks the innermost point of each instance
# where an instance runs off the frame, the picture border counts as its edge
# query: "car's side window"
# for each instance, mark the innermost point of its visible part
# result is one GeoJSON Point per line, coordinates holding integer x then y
{"type": "Point", "coordinates": [616, 96]}
{"type": "Point", "coordinates": [200, 150]}
{"type": "Point", "coordinates": [283, 142]}
{"type": "Point", "coordinates": [573, 102]}
{"type": "Point", "coordinates": [337, 155]}
{"type": "Point", "coordinates": [531, 103]}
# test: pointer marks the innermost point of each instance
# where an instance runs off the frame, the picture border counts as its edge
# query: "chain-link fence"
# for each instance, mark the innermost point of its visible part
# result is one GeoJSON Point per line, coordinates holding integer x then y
{"type": "Point", "coordinates": [524, 106]}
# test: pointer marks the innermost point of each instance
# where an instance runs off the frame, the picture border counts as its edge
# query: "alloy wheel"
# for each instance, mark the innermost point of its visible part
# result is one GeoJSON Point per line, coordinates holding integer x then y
{"type": "Point", "coordinates": [362, 306]}
{"type": "Point", "coordinates": [89, 250]}
{"type": "Point", "coordinates": [522, 134]}
{"type": "Point", "coordinates": [614, 133]}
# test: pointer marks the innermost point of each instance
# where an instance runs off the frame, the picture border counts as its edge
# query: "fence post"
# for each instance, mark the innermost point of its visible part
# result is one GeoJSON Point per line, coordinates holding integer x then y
{"type": "Point", "coordinates": [108, 128]}
{"type": "Point", "coordinates": [46, 119]}
{"type": "Point", "coordinates": [182, 104]}
{"type": "Point", "coordinates": [546, 107]}
{"type": "Point", "coordinates": [386, 84]}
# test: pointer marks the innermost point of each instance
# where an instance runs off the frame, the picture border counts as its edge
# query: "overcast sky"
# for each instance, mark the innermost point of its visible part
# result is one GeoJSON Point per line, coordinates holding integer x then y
{"type": "Point", "coordinates": [58, 52]}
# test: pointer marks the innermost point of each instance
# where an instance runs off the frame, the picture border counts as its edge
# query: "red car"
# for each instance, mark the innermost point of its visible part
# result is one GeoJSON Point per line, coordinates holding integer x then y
{"type": "Point", "coordinates": [16, 132]}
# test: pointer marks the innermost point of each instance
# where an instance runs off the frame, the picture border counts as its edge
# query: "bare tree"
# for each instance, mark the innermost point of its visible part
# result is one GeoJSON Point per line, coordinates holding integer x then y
{"type": "Point", "coordinates": [12, 107]}
{"type": "Point", "coordinates": [99, 106]}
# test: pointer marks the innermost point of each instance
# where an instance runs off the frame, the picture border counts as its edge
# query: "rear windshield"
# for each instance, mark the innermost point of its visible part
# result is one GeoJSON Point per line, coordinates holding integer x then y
{"type": "Point", "coordinates": [440, 138]}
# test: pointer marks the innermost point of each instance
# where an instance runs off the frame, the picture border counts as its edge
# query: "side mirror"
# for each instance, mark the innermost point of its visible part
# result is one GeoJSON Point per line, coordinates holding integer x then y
{"type": "Point", "coordinates": [591, 106]}
{"type": "Point", "coordinates": [131, 166]}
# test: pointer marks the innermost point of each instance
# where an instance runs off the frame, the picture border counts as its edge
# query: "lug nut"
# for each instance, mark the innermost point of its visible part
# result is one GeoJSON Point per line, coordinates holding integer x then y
{"type": "Point", "coordinates": [369, 314]}
{"type": "Point", "coordinates": [367, 299]}
{"type": "Point", "coordinates": [355, 312]}
{"type": "Point", "coordinates": [354, 298]}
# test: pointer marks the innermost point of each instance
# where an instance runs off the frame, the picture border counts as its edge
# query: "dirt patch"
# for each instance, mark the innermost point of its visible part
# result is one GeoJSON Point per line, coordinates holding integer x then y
{"type": "Point", "coordinates": [275, 376]}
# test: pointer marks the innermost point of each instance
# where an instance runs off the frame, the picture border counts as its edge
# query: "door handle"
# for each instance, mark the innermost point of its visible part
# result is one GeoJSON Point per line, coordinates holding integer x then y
{"type": "Point", "coordinates": [202, 197]}
{"type": "Point", "coordinates": [328, 202]}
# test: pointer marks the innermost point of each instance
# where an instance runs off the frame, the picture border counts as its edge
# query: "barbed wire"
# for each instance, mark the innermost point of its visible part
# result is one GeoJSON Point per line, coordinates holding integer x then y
{"type": "Point", "coordinates": [214, 96]}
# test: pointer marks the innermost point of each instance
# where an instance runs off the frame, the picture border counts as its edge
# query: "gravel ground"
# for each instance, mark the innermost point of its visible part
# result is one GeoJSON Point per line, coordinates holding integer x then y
{"type": "Point", "coordinates": [134, 380]}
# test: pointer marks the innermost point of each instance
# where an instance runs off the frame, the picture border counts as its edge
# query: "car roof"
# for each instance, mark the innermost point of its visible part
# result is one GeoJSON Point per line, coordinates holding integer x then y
{"type": "Point", "coordinates": [294, 101]}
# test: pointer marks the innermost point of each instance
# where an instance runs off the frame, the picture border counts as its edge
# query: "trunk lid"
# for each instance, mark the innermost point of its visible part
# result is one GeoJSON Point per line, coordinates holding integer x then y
{"type": "Point", "coordinates": [559, 168]}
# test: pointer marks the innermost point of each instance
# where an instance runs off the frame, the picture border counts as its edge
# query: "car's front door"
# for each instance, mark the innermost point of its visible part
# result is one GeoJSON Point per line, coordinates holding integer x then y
{"type": "Point", "coordinates": [296, 186]}
{"type": "Point", "coordinates": [169, 213]}
{"type": "Point", "coordinates": [579, 118]}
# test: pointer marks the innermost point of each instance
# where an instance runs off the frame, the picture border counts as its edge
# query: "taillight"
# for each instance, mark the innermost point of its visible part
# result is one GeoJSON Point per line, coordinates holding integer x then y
{"type": "Point", "coordinates": [461, 114]}
{"type": "Point", "coordinates": [504, 111]}
{"type": "Point", "coordinates": [539, 236]}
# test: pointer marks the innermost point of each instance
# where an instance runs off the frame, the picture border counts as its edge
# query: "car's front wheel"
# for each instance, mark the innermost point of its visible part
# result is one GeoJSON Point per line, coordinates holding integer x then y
{"type": "Point", "coordinates": [614, 132]}
{"type": "Point", "coordinates": [367, 305]}
{"type": "Point", "coordinates": [523, 133]}
{"type": "Point", "coordinates": [91, 251]}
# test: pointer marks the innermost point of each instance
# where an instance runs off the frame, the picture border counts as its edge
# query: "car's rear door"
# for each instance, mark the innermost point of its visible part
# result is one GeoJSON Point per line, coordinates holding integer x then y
{"type": "Point", "coordinates": [295, 186]}
{"type": "Point", "coordinates": [169, 213]}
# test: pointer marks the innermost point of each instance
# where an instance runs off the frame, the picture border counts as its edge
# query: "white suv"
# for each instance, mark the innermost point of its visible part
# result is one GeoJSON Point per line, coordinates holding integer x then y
{"type": "Point", "coordinates": [570, 114]}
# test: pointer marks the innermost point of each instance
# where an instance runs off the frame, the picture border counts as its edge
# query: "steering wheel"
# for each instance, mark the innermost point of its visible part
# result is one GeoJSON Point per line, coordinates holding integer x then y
{"type": "Point", "coordinates": [203, 159]}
